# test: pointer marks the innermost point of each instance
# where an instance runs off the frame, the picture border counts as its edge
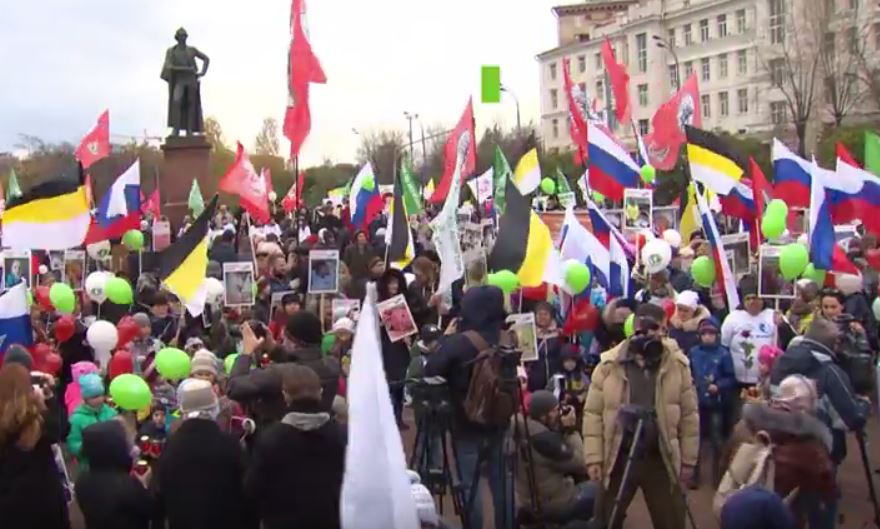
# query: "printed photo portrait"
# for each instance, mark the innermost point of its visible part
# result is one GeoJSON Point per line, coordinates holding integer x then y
{"type": "Point", "coordinates": [56, 264]}
{"type": "Point", "coordinates": [471, 237]}
{"type": "Point", "coordinates": [396, 318]}
{"type": "Point", "coordinates": [74, 268]}
{"type": "Point", "coordinates": [16, 268]}
{"type": "Point", "coordinates": [637, 206]}
{"type": "Point", "coordinates": [238, 278]}
{"type": "Point", "coordinates": [523, 326]}
{"type": "Point", "coordinates": [346, 308]}
{"type": "Point", "coordinates": [770, 281]}
{"type": "Point", "coordinates": [665, 218]}
{"type": "Point", "coordinates": [323, 271]}
{"type": "Point", "coordinates": [738, 244]}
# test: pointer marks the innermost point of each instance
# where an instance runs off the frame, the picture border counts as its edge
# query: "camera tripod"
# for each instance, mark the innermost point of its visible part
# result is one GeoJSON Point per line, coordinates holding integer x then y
{"type": "Point", "coordinates": [872, 492]}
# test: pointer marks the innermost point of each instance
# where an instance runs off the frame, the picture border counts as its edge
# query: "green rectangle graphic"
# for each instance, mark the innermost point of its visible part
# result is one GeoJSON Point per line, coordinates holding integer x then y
{"type": "Point", "coordinates": [491, 84]}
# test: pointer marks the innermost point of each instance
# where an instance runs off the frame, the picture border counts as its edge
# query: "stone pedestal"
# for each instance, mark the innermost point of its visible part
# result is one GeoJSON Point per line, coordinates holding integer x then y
{"type": "Point", "coordinates": [186, 158]}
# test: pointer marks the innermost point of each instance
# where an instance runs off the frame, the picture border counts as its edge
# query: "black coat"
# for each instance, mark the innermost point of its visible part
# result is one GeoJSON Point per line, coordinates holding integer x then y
{"type": "Point", "coordinates": [31, 494]}
{"type": "Point", "coordinates": [109, 497]}
{"type": "Point", "coordinates": [295, 476]}
{"type": "Point", "coordinates": [201, 476]}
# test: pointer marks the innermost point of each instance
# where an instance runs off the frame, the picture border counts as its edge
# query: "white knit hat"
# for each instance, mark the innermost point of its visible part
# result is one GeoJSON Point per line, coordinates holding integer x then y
{"type": "Point", "coordinates": [344, 324]}
{"type": "Point", "coordinates": [688, 298]}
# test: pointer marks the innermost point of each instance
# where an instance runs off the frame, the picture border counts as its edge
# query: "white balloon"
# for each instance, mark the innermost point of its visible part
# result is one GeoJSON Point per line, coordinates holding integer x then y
{"type": "Point", "coordinates": [672, 237]}
{"type": "Point", "coordinates": [102, 337]}
{"type": "Point", "coordinates": [95, 283]}
{"type": "Point", "coordinates": [215, 290]}
{"type": "Point", "coordinates": [99, 251]}
{"type": "Point", "coordinates": [43, 269]}
{"type": "Point", "coordinates": [272, 196]}
{"type": "Point", "coordinates": [876, 308]}
{"type": "Point", "coordinates": [656, 255]}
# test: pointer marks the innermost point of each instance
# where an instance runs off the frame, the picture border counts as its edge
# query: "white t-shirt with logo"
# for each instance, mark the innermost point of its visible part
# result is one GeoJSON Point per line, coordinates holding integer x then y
{"type": "Point", "coordinates": [744, 335]}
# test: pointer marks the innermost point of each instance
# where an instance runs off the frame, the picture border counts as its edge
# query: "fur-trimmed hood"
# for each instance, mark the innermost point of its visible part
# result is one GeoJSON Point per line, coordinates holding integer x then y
{"type": "Point", "coordinates": [691, 324]}
{"type": "Point", "coordinates": [774, 421]}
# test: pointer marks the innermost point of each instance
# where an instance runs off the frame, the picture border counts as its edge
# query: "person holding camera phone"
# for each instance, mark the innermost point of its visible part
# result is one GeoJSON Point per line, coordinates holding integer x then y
{"type": "Point", "coordinates": [647, 371]}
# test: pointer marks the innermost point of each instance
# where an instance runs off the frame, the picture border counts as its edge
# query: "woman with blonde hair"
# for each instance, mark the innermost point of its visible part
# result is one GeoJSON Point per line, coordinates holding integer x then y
{"type": "Point", "coordinates": [31, 492]}
{"type": "Point", "coordinates": [422, 295]}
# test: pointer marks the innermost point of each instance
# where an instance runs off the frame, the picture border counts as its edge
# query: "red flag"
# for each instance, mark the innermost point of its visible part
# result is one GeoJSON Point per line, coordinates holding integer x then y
{"type": "Point", "coordinates": [845, 155]}
{"type": "Point", "coordinates": [96, 144]}
{"type": "Point", "coordinates": [289, 200]}
{"type": "Point", "coordinates": [667, 134]}
{"type": "Point", "coordinates": [760, 189]}
{"type": "Point", "coordinates": [87, 184]}
{"type": "Point", "coordinates": [151, 205]}
{"type": "Point", "coordinates": [465, 125]}
{"type": "Point", "coordinates": [266, 173]}
{"type": "Point", "coordinates": [577, 128]}
{"type": "Point", "coordinates": [300, 183]}
{"type": "Point", "coordinates": [619, 82]}
{"type": "Point", "coordinates": [242, 179]}
{"type": "Point", "coordinates": [303, 69]}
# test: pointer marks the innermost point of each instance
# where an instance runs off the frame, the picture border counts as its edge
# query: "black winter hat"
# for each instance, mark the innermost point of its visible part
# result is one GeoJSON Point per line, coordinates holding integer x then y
{"type": "Point", "coordinates": [304, 327]}
{"type": "Point", "coordinates": [17, 354]}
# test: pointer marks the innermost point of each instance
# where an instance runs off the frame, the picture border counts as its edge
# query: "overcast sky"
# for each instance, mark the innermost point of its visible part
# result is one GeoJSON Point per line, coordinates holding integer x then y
{"type": "Point", "coordinates": [65, 61]}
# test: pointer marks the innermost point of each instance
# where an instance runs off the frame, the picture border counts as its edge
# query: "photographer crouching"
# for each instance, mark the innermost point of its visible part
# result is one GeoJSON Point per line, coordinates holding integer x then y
{"type": "Point", "coordinates": [641, 424]}
{"type": "Point", "coordinates": [556, 454]}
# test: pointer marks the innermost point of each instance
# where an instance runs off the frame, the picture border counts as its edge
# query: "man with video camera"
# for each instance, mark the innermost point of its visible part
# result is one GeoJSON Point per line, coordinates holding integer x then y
{"type": "Point", "coordinates": [641, 424]}
{"type": "Point", "coordinates": [557, 459]}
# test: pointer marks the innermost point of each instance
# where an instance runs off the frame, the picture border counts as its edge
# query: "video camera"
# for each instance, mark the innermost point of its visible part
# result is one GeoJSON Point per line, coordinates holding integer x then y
{"type": "Point", "coordinates": [430, 394]}
{"type": "Point", "coordinates": [854, 356]}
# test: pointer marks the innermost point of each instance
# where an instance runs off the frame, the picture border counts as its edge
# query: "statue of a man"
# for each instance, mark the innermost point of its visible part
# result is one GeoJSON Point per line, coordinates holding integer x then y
{"type": "Point", "coordinates": [182, 74]}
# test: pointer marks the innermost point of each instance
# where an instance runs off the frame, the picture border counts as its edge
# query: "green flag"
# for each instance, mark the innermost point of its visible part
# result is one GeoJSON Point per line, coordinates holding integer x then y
{"type": "Point", "coordinates": [196, 202]}
{"type": "Point", "coordinates": [13, 190]}
{"type": "Point", "coordinates": [561, 182]}
{"type": "Point", "coordinates": [411, 197]}
{"type": "Point", "coordinates": [502, 172]}
{"type": "Point", "coordinates": [872, 152]}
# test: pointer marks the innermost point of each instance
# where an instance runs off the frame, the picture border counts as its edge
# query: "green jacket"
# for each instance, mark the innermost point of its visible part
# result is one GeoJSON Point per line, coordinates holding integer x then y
{"type": "Point", "coordinates": [81, 418]}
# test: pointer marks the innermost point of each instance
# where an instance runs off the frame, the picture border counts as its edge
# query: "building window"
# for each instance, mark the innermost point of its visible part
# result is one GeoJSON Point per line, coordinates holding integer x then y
{"type": "Point", "coordinates": [670, 38]}
{"type": "Point", "coordinates": [722, 26]}
{"type": "Point", "coordinates": [688, 69]}
{"type": "Point", "coordinates": [688, 38]}
{"type": "Point", "coordinates": [742, 62]}
{"type": "Point", "coordinates": [742, 100]}
{"type": "Point", "coordinates": [830, 7]}
{"type": "Point", "coordinates": [643, 95]}
{"type": "Point", "coordinates": [854, 4]}
{"type": "Point", "coordinates": [554, 98]}
{"type": "Point", "coordinates": [673, 75]}
{"type": "Point", "coordinates": [777, 21]}
{"type": "Point", "coordinates": [704, 30]}
{"type": "Point", "coordinates": [706, 105]}
{"type": "Point", "coordinates": [777, 71]}
{"type": "Point", "coordinates": [852, 39]}
{"type": "Point", "coordinates": [722, 66]}
{"type": "Point", "coordinates": [741, 26]}
{"type": "Point", "coordinates": [600, 92]}
{"type": "Point", "coordinates": [555, 123]}
{"type": "Point", "coordinates": [828, 44]}
{"type": "Point", "coordinates": [624, 52]}
{"type": "Point", "coordinates": [723, 104]}
{"type": "Point", "coordinates": [778, 113]}
{"type": "Point", "coordinates": [643, 126]}
{"type": "Point", "coordinates": [598, 60]}
{"type": "Point", "coordinates": [552, 71]}
{"type": "Point", "coordinates": [642, 51]}
{"type": "Point", "coordinates": [582, 63]}
{"type": "Point", "coordinates": [704, 69]}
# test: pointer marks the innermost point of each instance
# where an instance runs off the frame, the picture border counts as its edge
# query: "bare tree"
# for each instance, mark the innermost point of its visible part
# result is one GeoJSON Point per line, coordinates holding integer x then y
{"type": "Point", "coordinates": [844, 39]}
{"type": "Point", "coordinates": [214, 134]}
{"type": "Point", "coordinates": [267, 140]}
{"type": "Point", "coordinates": [792, 58]}
{"type": "Point", "coordinates": [381, 148]}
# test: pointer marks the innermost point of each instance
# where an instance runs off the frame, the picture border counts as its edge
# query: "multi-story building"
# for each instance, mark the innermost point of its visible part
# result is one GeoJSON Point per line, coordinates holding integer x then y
{"type": "Point", "coordinates": [740, 51]}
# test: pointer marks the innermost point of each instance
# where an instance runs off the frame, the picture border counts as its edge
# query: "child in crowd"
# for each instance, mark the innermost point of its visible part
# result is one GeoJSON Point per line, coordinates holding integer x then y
{"type": "Point", "coordinates": [73, 395]}
{"type": "Point", "coordinates": [94, 409]}
{"type": "Point", "coordinates": [714, 381]}
{"type": "Point", "coordinates": [155, 427]}
{"type": "Point", "coordinates": [767, 356]}
{"type": "Point", "coordinates": [570, 383]}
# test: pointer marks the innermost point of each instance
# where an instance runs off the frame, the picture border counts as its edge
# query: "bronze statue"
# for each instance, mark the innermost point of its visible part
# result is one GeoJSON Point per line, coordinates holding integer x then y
{"type": "Point", "coordinates": [181, 73]}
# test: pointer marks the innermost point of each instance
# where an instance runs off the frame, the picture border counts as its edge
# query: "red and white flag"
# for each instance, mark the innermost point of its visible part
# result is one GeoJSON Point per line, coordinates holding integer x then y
{"type": "Point", "coordinates": [266, 173]}
{"type": "Point", "coordinates": [450, 154]}
{"type": "Point", "coordinates": [577, 127]}
{"type": "Point", "coordinates": [96, 144]}
{"type": "Point", "coordinates": [242, 179]}
{"type": "Point", "coordinates": [151, 205]}
{"type": "Point", "coordinates": [619, 82]}
{"type": "Point", "coordinates": [667, 134]}
{"type": "Point", "coordinates": [303, 68]}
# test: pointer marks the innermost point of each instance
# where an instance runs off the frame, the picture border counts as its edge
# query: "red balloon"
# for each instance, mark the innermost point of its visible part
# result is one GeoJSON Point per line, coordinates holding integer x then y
{"type": "Point", "coordinates": [120, 363]}
{"type": "Point", "coordinates": [64, 328]}
{"type": "Point", "coordinates": [41, 294]}
{"type": "Point", "coordinates": [46, 358]}
{"type": "Point", "coordinates": [40, 351]}
{"type": "Point", "coordinates": [583, 317]}
{"type": "Point", "coordinates": [538, 293]}
{"type": "Point", "coordinates": [52, 364]}
{"type": "Point", "coordinates": [668, 307]}
{"type": "Point", "coordinates": [873, 258]}
{"type": "Point", "coordinates": [128, 331]}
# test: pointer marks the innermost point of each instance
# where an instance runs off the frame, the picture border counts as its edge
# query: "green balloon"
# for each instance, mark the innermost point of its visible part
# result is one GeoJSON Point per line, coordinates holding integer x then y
{"type": "Point", "coordinates": [228, 362]}
{"type": "Point", "coordinates": [62, 298]}
{"type": "Point", "coordinates": [505, 280]}
{"type": "Point", "coordinates": [327, 342]}
{"type": "Point", "coordinates": [814, 274]}
{"type": "Point", "coordinates": [777, 207]}
{"type": "Point", "coordinates": [793, 260]}
{"type": "Point", "coordinates": [773, 224]}
{"type": "Point", "coordinates": [548, 186]}
{"type": "Point", "coordinates": [598, 197]}
{"type": "Point", "coordinates": [577, 276]}
{"type": "Point", "coordinates": [119, 291]}
{"type": "Point", "coordinates": [648, 173]}
{"type": "Point", "coordinates": [172, 363]}
{"type": "Point", "coordinates": [133, 240]}
{"type": "Point", "coordinates": [629, 326]}
{"type": "Point", "coordinates": [368, 183]}
{"type": "Point", "coordinates": [30, 297]}
{"type": "Point", "coordinates": [703, 271]}
{"type": "Point", "coordinates": [131, 392]}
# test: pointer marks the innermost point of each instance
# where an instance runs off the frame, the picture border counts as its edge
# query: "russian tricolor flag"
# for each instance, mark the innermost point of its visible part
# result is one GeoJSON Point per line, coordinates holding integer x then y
{"type": "Point", "coordinates": [612, 169]}
{"type": "Point", "coordinates": [120, 207]}
{"type": "Point", "coordinates": [854, 194]}
{"type": "Point", "coordinates": [578, 243]}
{"type": "Point", "coordinates": [619, 284]}
{"type": "Point", "coordinates": [740, 202]}
{"type": "Point", "coordinates": [791, 176]}
{"type": "Point", "coordinates": [15, 319]}
{"type": "Point", "coordinates": [364, 203]}
{"type": "Point", "coordinates": [825, 254]}
{"type": "Point", "coordinates": [722, 267]}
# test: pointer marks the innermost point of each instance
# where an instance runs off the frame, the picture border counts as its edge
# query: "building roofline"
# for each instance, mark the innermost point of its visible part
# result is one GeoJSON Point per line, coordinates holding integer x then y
{"type": "Point", "coordinates": [592, 5]}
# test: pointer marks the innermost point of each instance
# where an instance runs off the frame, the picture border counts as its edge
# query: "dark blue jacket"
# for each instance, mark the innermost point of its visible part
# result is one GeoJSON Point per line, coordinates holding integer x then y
{"type": "Point", "coordinates": [712, 365]}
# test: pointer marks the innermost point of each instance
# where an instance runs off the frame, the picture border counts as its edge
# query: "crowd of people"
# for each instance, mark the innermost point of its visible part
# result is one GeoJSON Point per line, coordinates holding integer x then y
{"type": "Point", "coordinates": [661, 392]}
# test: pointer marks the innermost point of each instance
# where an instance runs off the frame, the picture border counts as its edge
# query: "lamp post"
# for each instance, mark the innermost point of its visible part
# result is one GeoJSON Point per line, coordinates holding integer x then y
{"type": "Point", "coordinates": [663, 44]}
{"type": "Point", "coordinates": [410, 117]}
{"type": "Point", "coordinates": [516, 100]}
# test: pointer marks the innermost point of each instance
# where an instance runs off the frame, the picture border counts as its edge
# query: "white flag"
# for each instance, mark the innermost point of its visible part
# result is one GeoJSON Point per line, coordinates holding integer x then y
{"type": "Point", "coordinates": [445, 225]}
{"type": "Point", "coordinates": [375, 489]}
{"type": "Point", "coordinates": [481, 186]}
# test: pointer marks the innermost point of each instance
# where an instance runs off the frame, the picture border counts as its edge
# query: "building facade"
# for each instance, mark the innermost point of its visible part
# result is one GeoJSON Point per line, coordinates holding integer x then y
{"type": "Point", "coordinates": [742, 52]}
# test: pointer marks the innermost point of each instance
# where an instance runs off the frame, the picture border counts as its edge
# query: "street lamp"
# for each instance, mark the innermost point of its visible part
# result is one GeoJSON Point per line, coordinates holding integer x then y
{"type": "Point", "coordinates": [410, 117]}
{"type": "Point", "coordinates": [516, 99]}
{"type": "Point", "coordinates": [658, 40]}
